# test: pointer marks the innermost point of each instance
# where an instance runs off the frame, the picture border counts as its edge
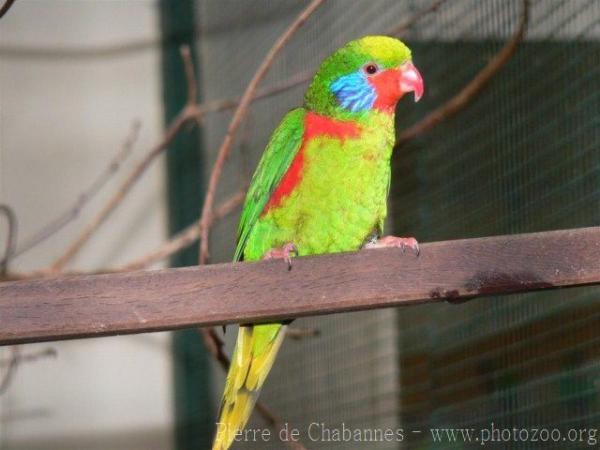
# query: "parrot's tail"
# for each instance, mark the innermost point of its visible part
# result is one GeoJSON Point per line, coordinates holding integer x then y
{"type": "Point", "coordinates": [255, 351]}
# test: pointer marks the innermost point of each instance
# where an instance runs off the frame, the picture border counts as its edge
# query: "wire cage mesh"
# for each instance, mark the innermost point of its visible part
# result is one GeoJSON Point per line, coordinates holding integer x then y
{"type": "Point", "coordinates": [522, 157]}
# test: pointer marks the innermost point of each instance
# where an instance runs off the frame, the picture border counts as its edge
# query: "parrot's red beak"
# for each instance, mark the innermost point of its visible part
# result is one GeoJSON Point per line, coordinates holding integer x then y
{"type": "Point", "coordinates": [392, 84]}
{"type": "Point", "coordinates": [411, 81]}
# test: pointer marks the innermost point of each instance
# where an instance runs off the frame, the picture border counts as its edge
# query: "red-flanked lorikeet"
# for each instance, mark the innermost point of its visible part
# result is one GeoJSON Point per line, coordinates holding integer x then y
{"type": "Point", "coordinates": [320, 187]}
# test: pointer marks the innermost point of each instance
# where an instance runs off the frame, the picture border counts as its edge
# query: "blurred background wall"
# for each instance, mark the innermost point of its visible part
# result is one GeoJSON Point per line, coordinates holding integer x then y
{"type": "Point", "coordinates": [72, 80]}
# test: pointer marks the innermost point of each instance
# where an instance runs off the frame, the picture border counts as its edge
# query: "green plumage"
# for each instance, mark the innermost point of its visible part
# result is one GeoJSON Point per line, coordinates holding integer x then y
{"type": "Point", "coordinates": [337, 204]}
{"type": "Point", "coordinates": [341, 199]}
{"type": "Point", "coordinates": [278, 156]}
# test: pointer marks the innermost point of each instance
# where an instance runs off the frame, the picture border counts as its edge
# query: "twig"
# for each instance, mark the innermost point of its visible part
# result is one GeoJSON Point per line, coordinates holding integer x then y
{"type": "Point", "coordinates": [184, 238]}
{"type": "Point", "coordinates": [468, 93]}
{"type": "Point", "coordinates": [277, 88]}
{"type": "Point", "coordinates": [181, 240]}
{"type": "Point", "coordinates": [214, 344]}
{"type": "Point", "coordinates": [11, 370]}
{"type": "Point", "coordinates": [49, 352]}
{"type": "Point", "coordinates": [190, 74]}
{"type": "Point", "coordinates": [188, 113]}
{"type": "Point", "coordinates": [409, 22]}
{"type": "Point", "coordinates": [298, 333]}
{"type": "Point", "coordinates": [176, 125]}
{"type": "Point", "coordinates": [306, 76]}
{"type": "Point", "coordinates": [85, 197]}
{"type": "Point", "coordinates": [11, 237]}
{"type": "Point", "coordinates": [191, 82]}
{"type": "Point", "coordinates": [5, 7]}
{"type": "Point", "coordinates": [238, 115]}
{"type": "Point", "coordinates": [12, 364]}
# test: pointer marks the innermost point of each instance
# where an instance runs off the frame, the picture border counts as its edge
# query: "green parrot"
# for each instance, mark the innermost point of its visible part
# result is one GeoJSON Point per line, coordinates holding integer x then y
{"type": "Point", "coordinates": [321, 186]}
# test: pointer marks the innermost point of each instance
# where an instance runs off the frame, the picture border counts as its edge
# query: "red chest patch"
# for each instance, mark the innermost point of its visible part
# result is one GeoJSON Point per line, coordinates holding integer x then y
{"type": "Point", "coordinates": [314, 125]}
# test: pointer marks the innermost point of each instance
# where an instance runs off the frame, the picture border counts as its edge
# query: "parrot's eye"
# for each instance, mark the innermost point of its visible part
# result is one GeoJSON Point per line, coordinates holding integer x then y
{"type": "Point", "coordinates": [371, 68]}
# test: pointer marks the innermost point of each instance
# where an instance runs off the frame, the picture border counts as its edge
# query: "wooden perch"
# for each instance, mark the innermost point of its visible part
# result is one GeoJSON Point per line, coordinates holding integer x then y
{"type": "Point", "coordinates": [77, 306]}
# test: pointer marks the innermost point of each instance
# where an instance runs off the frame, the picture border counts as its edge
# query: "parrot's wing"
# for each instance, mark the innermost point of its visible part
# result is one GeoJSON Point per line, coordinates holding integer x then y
{"type": "Point", "coordinates": [276, 159]}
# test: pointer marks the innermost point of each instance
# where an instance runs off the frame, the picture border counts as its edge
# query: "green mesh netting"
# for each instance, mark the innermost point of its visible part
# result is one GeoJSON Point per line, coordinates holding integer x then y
{"type": "Point", "coordinates": [524, 156]}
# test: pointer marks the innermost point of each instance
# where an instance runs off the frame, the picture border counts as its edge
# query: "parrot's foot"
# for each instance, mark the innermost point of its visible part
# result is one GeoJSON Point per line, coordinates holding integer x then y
{"type": "Point", "coordinates": [395, 242]}
{"type": "Point", "coordinates": [284, 253]}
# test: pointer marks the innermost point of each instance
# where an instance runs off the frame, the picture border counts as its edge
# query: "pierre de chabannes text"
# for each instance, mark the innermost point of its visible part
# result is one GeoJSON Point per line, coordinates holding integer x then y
{"type": "Point", "coordinates": [489, 435]}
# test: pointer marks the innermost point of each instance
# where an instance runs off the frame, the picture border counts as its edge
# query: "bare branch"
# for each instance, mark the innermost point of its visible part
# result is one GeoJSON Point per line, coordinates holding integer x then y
{"type": "Point", "coordinates": [298, 333]}
{"type": "Point", "coordinates": [49, 352]}
{"type": "Point", "coordinates": [238, 116]}
{"type": "Point", "coordinates": [11, 370]}
{"type": "Point", "coordinates": [470, 91]}
{"type": "Point", "coordinates": [409, 22]}
{"type": "Point", "coordinates": [184, 238]}
{"type": "Point", "coordinates": [277, 88]}
{"type": "Point", "coordinates": [174, 128]}
{"type": "Point", "coordinates": [5, 7]}
{"type": "Point", "coordinates": [214, 344]}
{"type": "Point", "coordinates": [86, 196]}
{"type": "Point", "coordinates": [188, 113]}
{"type": "Point", "coordinates": [305, 76]}
{"type": "Point", "coordinates": [15, 360]}
{"type": "Point", "coordinates": [181, 240]}
{"type": "Point", "coordinates": [190, 75]}
{"type": "Point", "coordinates": [11, 237]}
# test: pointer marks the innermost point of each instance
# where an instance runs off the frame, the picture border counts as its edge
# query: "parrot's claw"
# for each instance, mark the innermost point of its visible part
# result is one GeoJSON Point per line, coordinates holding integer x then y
{"type": "Point", "coordinates": [395, 242]}
{"type": "Point", "coordinates": [284, 253]}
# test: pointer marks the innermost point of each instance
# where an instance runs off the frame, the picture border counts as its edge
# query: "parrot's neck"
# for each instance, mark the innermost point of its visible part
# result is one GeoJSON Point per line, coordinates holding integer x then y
{"type": "Point", "coordinates": [373, 125]}
{"type": "Point", "coordinates": [342, 121]}
{"type": "Point", "coordinates": [376, 119]}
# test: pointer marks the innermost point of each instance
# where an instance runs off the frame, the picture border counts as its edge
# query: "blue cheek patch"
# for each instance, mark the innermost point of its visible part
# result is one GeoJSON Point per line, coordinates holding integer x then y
{"type": "Point", "coordinates": [354, 92]}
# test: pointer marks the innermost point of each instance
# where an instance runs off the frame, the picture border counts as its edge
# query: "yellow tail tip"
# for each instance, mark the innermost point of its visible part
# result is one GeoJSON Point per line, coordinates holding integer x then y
{"type": "Point", "coordinates": [252, 360]}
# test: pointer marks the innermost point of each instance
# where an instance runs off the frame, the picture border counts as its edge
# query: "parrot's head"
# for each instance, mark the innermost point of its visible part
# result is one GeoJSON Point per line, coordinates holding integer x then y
{"type": "Point", "coordinates": [371, 73]}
